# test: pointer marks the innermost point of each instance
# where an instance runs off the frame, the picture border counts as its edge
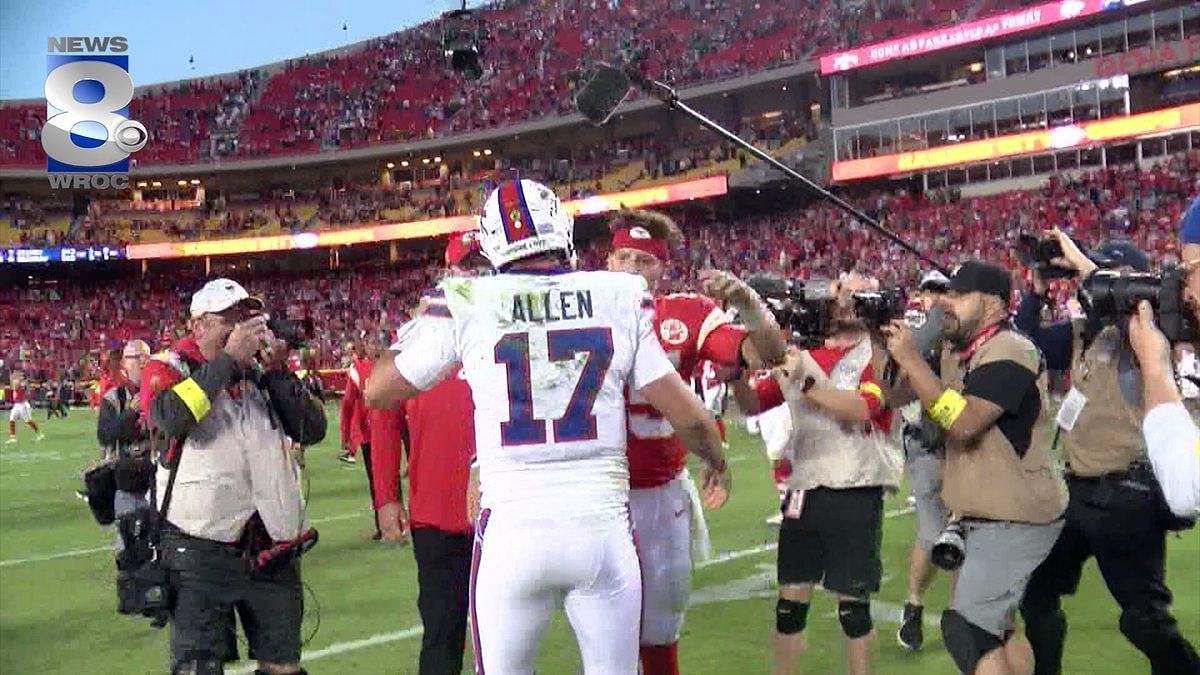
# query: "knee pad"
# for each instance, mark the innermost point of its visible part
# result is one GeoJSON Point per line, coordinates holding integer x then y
{"type": "Point", "coordinates": [855, 617]}
{"type": "Point", "coordinates": [966, 642]}
{"type": "Point", "coordinates": [790, 616]}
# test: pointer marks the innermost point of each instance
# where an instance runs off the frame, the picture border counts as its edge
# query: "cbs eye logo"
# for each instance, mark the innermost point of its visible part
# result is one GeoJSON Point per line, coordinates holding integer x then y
{"type": "Point", "coordinates": [87, 125]}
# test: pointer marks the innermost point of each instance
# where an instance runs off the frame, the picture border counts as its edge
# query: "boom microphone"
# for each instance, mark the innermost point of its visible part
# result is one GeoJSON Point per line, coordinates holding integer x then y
{"type": "Point", "coordinates": [610, 86]}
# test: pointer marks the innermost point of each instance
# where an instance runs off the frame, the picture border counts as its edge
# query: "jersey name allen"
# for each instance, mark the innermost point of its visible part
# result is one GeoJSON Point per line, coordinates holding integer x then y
{"type": "Point", "coordinates": [555, 305]}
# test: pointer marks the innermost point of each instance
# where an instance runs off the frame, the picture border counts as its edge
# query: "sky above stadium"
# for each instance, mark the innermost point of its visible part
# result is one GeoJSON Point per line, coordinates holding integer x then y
{"type": "Point", "coordinates": [221, 35]}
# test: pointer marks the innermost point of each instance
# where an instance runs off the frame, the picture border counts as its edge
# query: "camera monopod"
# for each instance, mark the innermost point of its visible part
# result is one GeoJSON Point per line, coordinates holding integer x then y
{"type": "Point", "coordinates": [611, 85]}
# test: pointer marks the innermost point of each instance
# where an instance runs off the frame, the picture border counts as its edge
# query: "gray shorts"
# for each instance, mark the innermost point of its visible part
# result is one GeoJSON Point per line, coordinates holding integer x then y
{"type": "Point", "coordinates": [1001, 556]}
{"type": "Point", "coordinates": [924, 475]}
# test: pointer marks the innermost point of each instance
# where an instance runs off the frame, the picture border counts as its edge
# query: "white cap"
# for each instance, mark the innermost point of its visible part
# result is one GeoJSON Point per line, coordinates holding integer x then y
{"type": "Point", "coordinates": [219, 295]}
{"type": "Point", "coordinates": [933, 280]}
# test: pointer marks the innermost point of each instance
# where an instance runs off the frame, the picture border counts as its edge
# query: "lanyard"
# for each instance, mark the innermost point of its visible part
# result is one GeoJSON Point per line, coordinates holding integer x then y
{"type": "Point", "coordinates": [977, 342]}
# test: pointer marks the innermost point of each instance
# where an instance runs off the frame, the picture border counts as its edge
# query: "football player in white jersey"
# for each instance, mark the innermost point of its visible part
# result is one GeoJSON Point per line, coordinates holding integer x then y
{"type": "Point", "coordinates": [548, 354]}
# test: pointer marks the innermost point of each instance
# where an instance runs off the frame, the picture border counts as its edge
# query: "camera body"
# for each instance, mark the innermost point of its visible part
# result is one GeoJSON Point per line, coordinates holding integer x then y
{"type": "Point", "coordinates": [143, 585]}
{"type": "Point", "coordinates": [1108, 297]}
{"type": "Point", "coordinates": [295, 332]}
{"type": "Point", "coordinates": [806, 309]}
{"type": "Point", "coordinates": [950, 548]}
{"type": "Point", "coordinates": [1037, 254]}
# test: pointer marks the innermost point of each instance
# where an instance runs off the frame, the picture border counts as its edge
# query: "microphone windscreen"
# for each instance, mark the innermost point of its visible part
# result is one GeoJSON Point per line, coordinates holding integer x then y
{"type": "Point", "coordinates": [600, 97]}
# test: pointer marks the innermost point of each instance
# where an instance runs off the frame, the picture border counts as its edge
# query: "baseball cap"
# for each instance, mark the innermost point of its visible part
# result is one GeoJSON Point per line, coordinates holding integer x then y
{"type": "Point", "coordinates": [219, 295]}
{"type": "Point", "coordinates": [134, 349]}
{"type": "Point", "coordinates": [933, 280]}
{"type": "Point", "coordinates": [976, 276]}
{"type": "Point", "coordinates": [1114, 253]}
{"type": "Point", "coordinates": [460, 246]}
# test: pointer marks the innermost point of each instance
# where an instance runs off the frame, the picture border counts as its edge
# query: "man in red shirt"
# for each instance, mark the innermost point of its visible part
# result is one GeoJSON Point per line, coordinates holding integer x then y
{"type": "Point", "coordinates": [21, 411]}
{"type": "Point", "coordinates": [352, 415]}
{"type": "Point", "coordinates": [356, 419]}
{"type": "Point", "coordinates": [441, 446]}
{"type": "Point", "coordinates": [662, 500]}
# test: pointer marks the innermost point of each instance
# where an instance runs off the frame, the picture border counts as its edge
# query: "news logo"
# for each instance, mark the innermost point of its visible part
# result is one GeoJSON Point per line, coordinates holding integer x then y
{"type": "Point", "coordinates": [88, 135]}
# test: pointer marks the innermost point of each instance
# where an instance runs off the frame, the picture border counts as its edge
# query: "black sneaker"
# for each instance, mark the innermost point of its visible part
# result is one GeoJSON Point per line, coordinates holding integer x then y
{"type": "Point", "coordinates": [346, 457]}
{"type": "Point", "coordinates": [911, 633]}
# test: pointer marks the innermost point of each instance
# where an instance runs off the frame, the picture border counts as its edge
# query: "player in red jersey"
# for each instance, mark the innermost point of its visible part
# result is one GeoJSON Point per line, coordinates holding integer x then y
{"type": "Point", "coordinates": [663, 502]}
{"type": "Point", "coordinates": [352, 414]}
{"type": "Point", "coordinates": [21, 411]}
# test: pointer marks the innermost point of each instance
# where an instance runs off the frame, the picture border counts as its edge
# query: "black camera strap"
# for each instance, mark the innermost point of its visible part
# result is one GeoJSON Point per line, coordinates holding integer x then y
{"type": "Point", "coordinates": [161, 517]}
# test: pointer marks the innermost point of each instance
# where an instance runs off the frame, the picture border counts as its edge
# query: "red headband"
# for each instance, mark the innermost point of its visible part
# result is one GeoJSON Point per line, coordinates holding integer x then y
{"type": "Point", "coordinates": [639, 238]}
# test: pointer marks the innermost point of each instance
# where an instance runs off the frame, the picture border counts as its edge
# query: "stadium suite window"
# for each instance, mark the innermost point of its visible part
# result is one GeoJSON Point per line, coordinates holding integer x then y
{"type": "Point", "coordinates": [1190, 20]}
{"type": "Point", "coordinates": [1139, 31]}
{"type": "Point", "coordinates": [1039, 54]}
{"type": "Point", "coordinates": [1112, 38]}
{"type": "Point", "coordinates": [1168, 25]}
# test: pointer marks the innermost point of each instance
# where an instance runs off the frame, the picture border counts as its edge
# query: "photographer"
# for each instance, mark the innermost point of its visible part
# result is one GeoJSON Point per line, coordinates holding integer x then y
{"type": "Point", "coordinates": [922, 443]}
{"type": "Point", "coordinates": [234, 527]}
{"type": "Point", "coordinates": [1115, 510]}
{"type": "Point", "coordinates": [122, 437]}
{"type": "Point", "coordinates": [833, 472]}
{"type": "Point", "coordinates": [997, 477]}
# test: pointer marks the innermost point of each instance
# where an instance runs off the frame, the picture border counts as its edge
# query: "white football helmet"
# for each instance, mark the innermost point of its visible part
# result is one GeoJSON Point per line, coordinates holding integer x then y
{"type": "Point", "coordinates": [523, 218]}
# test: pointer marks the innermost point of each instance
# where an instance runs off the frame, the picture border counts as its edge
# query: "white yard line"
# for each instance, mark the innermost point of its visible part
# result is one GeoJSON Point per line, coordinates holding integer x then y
{"type": "Point", "coordinates": [336, 648]}
{"type": "Point", "coordinates": [101, 549]}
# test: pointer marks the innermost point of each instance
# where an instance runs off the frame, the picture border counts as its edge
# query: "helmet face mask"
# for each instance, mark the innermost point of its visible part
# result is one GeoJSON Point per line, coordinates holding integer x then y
{"type": "Point", "coordinates": [522, 219]}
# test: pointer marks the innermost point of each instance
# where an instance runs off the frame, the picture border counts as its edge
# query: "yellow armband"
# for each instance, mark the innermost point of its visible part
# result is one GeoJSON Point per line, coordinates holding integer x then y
{"type": "Point", "coordinates": [874, 390]}
{"type": "Point", "coordinates": [193, 397]}
{"type": "Point", "coordinates": [947, 408]}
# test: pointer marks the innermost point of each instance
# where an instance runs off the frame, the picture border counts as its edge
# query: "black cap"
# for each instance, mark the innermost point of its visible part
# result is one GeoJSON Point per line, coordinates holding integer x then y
{"type": "Point", "coordinates": [1114, 253]}
{"type": "Point", "coordinates": [978, 276]}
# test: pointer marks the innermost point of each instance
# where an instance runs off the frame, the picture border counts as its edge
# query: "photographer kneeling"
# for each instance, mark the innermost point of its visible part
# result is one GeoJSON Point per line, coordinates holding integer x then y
{"type": "Point", "coordinates": [997, 478]}
{"type": "Point", "coordinates": [233, 524]}
{"type": "Point", "coordinates": [833, 473]}
{"type": "Point", "coordinates": [1116, 511]}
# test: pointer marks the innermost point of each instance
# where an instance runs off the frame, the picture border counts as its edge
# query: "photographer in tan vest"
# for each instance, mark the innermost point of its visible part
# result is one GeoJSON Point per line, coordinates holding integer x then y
{"type": "Point", "coordinates": [1116, 510]}
{"type": "Point", "coordinates": [997, 479]}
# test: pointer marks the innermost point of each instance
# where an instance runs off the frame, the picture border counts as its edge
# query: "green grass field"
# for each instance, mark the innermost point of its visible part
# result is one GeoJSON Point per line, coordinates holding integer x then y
{"type": "Point", "coordinates": [57, 601]}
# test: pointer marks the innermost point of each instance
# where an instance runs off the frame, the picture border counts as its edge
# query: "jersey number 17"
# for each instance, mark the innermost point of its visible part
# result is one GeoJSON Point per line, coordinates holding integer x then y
{"type": "Point", "coordinates": [577, 423]}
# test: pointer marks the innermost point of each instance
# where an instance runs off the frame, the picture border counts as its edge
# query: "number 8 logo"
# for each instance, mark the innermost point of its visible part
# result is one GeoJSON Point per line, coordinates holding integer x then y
{"type": "Point", "coordinates": [123, 135]}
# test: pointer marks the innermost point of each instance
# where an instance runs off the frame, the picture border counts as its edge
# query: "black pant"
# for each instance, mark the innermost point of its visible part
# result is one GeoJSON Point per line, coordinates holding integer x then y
{"type": "Point", "coordinates": [365, 451]}
{"type": "Point", "coordinates": [443, 579]}
{"type": "Point", "coordinates": [1119, 519]}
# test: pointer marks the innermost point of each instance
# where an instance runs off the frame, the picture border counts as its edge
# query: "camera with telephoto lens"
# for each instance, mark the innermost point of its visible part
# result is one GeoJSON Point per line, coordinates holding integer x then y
{"type": "Point", "coordinates": [1109, 297]}
{"type": "Point", "coordinates": [1037, 254]}
{"type": "Point", "coordinates": [806, 309]}
{"type": "Point", "coordinates": [950, 548]}
{"type": "Point", "coordinates": [295, 332]}
{"type": "Point", "coordinates": [143, 584]}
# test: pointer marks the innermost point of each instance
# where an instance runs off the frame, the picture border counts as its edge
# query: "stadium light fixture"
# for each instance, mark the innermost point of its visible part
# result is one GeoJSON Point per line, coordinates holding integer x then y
{"type": "Point", "coordinates": [477, 153]}
{"type": "Point", "coordinates": [195, 181]}
{"type": "Point", "coordinates": [182, 183]}
{"type": "Point", "coordinates": [404, 162]}
{"type": "Point", "coordinates": [156, 184]}
{"type": "Point", "coordinates": [976, 67]}
{"type": "Point", "coordinates": [391, 165]}
{"type": "Point", "coordinates": [437, 160]}
{"type": "Point", "coordinates": [141, 183]}
{"type": "Point", "coordinates": [424, 160]}
{"type": "Point", "coordinates": [488, 152]}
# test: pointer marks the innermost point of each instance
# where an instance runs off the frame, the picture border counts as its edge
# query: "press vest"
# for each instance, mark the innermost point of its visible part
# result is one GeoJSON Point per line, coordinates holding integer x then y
{"type": "Point", "coordinates": [1107, 436]}
{"type": "Point", "coordinates": [984, 477]}
{"type": "Point", "coordinates": [828, 453]}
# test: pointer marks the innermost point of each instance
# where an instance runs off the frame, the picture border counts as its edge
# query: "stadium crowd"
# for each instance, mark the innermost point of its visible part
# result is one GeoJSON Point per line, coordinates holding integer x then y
{"type": "Point", "coordinates": [394, 88]}
{"type": "Point", "coordinates": [52, 329]}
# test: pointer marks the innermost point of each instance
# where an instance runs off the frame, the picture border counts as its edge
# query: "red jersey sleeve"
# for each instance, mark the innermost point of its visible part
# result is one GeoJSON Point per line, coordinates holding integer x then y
{"type": "Point", "coordinates": [766, 387]}
{"type": "Point", "coordinates": [717, 339]}
{"type": "Point", "coordinates": [157, 376]}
